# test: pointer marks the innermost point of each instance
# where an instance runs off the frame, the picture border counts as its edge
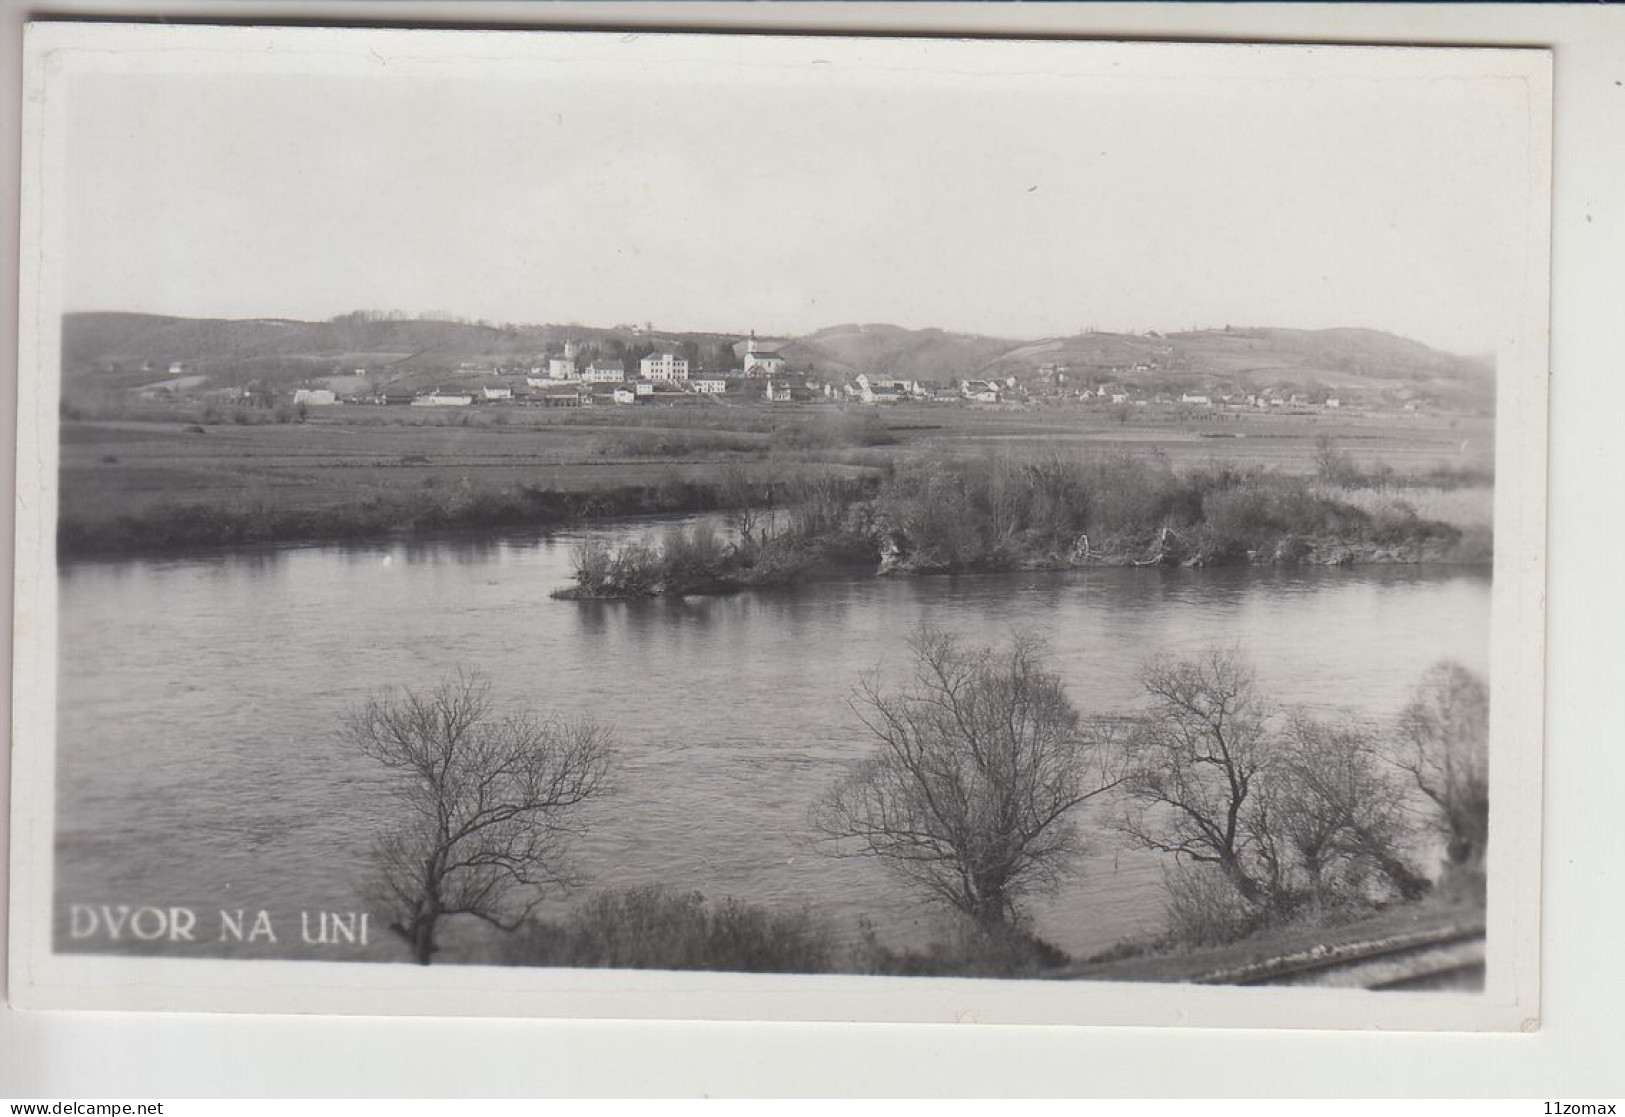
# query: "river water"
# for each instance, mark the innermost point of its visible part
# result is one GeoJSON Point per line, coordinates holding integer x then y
{"type": "Point", "coordinates": [199, 763]}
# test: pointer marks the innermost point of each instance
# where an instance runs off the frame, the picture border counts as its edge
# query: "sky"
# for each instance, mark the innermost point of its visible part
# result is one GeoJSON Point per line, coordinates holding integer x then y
{"type": "Point", "coordinates": [1020, 191]}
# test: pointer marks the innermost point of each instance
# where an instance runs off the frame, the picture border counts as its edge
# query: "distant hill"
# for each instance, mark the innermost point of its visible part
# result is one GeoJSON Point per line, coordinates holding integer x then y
{"type": "Point", "coordinates": [119, 349]}
{"type": "Point", "coordinates": [892, 351]}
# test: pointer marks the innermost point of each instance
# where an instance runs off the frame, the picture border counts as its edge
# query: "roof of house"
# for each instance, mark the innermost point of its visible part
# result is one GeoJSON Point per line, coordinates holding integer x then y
{"type": "Point", "coordinates": [609, 365]}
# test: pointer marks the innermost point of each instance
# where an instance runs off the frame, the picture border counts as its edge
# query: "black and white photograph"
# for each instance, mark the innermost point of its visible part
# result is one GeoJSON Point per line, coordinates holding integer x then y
{"type": "Point", "coordinates": [782, 527]}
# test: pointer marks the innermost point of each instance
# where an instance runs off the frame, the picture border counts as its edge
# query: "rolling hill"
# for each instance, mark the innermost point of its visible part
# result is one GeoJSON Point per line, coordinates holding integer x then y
{"type": "Point", "coordinates": [117, 350]}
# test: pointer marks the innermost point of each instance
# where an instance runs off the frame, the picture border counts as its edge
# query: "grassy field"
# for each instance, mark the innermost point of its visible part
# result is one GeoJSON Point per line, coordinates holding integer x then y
{"type": "Point", "coordinates": [360, 470]}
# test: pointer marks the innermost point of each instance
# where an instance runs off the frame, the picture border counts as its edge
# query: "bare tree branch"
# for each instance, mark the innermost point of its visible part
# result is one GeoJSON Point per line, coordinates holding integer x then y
{"type": "Point", "coordinates": [486, 803]}
{"type": "Point", "coordinates": [971, 794]}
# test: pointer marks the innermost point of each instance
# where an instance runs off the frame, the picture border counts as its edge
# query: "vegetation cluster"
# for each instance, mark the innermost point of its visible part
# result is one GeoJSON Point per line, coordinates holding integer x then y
{"type": "Point", "coordinates": [973, 798]}
{"type": "Point", "coordinates": [944, 514]}
{"type": "Point", "coordinates": [1000, 513]}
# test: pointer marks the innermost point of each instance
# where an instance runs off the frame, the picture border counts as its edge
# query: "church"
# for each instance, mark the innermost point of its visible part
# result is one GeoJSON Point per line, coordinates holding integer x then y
{"type": "Point", "coordinates": [759, 361]}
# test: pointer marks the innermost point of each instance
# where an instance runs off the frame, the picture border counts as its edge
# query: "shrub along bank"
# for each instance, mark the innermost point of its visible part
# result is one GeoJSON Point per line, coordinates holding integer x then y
{"type": "Point", "coordinates": [949, 515]}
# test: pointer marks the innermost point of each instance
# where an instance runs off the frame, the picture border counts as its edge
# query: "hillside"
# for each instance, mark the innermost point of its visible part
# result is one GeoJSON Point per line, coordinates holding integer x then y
{"type": "Point", "coordinates": [892, 351]}
{"type": "Point", "coordinates": [120, 350]}
{"type": "Point", "coordinates": [117, 351]}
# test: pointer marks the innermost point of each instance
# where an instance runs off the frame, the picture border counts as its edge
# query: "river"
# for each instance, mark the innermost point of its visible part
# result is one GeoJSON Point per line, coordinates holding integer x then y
{"type": "Point", "coordinates": [199, 763]}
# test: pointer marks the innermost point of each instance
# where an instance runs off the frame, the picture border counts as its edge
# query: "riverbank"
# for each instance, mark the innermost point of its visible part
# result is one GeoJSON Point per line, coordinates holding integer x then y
{"type": "Point", "coordinates": [183, 526]}
{"type": "Point", "coordinates": [1301, 951]}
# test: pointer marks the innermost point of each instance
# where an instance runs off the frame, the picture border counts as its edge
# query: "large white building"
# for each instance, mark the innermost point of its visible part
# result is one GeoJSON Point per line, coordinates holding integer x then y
{"type": "Point", "coordinates": [664, 366]}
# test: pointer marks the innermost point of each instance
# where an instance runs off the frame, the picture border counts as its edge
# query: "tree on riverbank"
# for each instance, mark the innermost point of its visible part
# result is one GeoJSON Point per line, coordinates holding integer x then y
{"type": "Point", "coordinates": [486, 802]}
{"type": "Point", "coordinates": [972, 794]}
{"type": "Point", "coordinates": [1197, 761]}
{"type": "Point", "coordinates": [1283, 818]}
{"type": "Point", "coordinates": [1444, 746]}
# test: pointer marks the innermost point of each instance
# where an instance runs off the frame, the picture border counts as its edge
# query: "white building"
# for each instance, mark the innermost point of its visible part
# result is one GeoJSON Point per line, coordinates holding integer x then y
{"type": "Point", "coordinates": [604, 371]}
{"type": "Point", "coordinates": [664, 366]}
{"type": "Point", "coordinates": [877, 390]}
{"type": "Point", "coordinates": [563, 368]}
{"type": "Point", "coordinates": [315, 397]}
{"type": "Point", "coordinates": [761, 362]}
{"type": "Point", "coordinates": [442, 399]}
{"type": "Point", "coordinates": [496, 391]}
{"type": "Point", "coordinates": [709, 386]}
{"type": "Point", "coordinates": [625, 396]}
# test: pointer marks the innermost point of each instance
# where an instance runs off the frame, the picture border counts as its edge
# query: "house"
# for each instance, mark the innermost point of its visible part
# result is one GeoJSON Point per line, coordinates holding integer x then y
{"type": "Point", "coordinates": [495, 391]}
{"type": "Point", "coordinates": [644, 387]}
{"type": "Point", "coordinates": [624, 396]}
{"type": "Point", "coordinates": [709, 386]}
{"type": "Point", "coordinates": [981, 391]}
{"type": "Point", "coordinates": [442, 399]}
{"type": "Point", "coordinates": [778, 391]}
{"type": "Point", "coordinates": [1334, 402]}
{"type": "Point", "coordinates": [603, 371]}
{"type": "Point", "coordinates": [315, 397]}
{"type": "Point", "coordinates": [563, 368]}
{"type": "Point", "coordinates": [761, 362]}
{"type": "Point", "coordinates": [664, 366]}
{"type": "Point", "coordinates": [1198, 400]}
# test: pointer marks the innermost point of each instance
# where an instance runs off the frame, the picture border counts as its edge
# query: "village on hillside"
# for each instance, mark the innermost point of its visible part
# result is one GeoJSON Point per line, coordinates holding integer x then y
{"type": "Point", "coordinates": [592, 372]}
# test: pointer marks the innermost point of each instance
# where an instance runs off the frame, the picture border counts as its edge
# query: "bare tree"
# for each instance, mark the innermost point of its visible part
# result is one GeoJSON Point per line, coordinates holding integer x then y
{"type": "Point", "coordinates": [1196, 761]}
{"type": "Point", "coordinates": [1305, 813]}
{"type": "Point", "coordinates": [741, 495]}
{"type": "Point", "coordinates": [1444, 744]}
{"type": "Point", "coordinates": [1332, 818]}
{"type": "Point", "coordinates": [486, 799]}
{"type": "Point", "coordinates": [972, 794]}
